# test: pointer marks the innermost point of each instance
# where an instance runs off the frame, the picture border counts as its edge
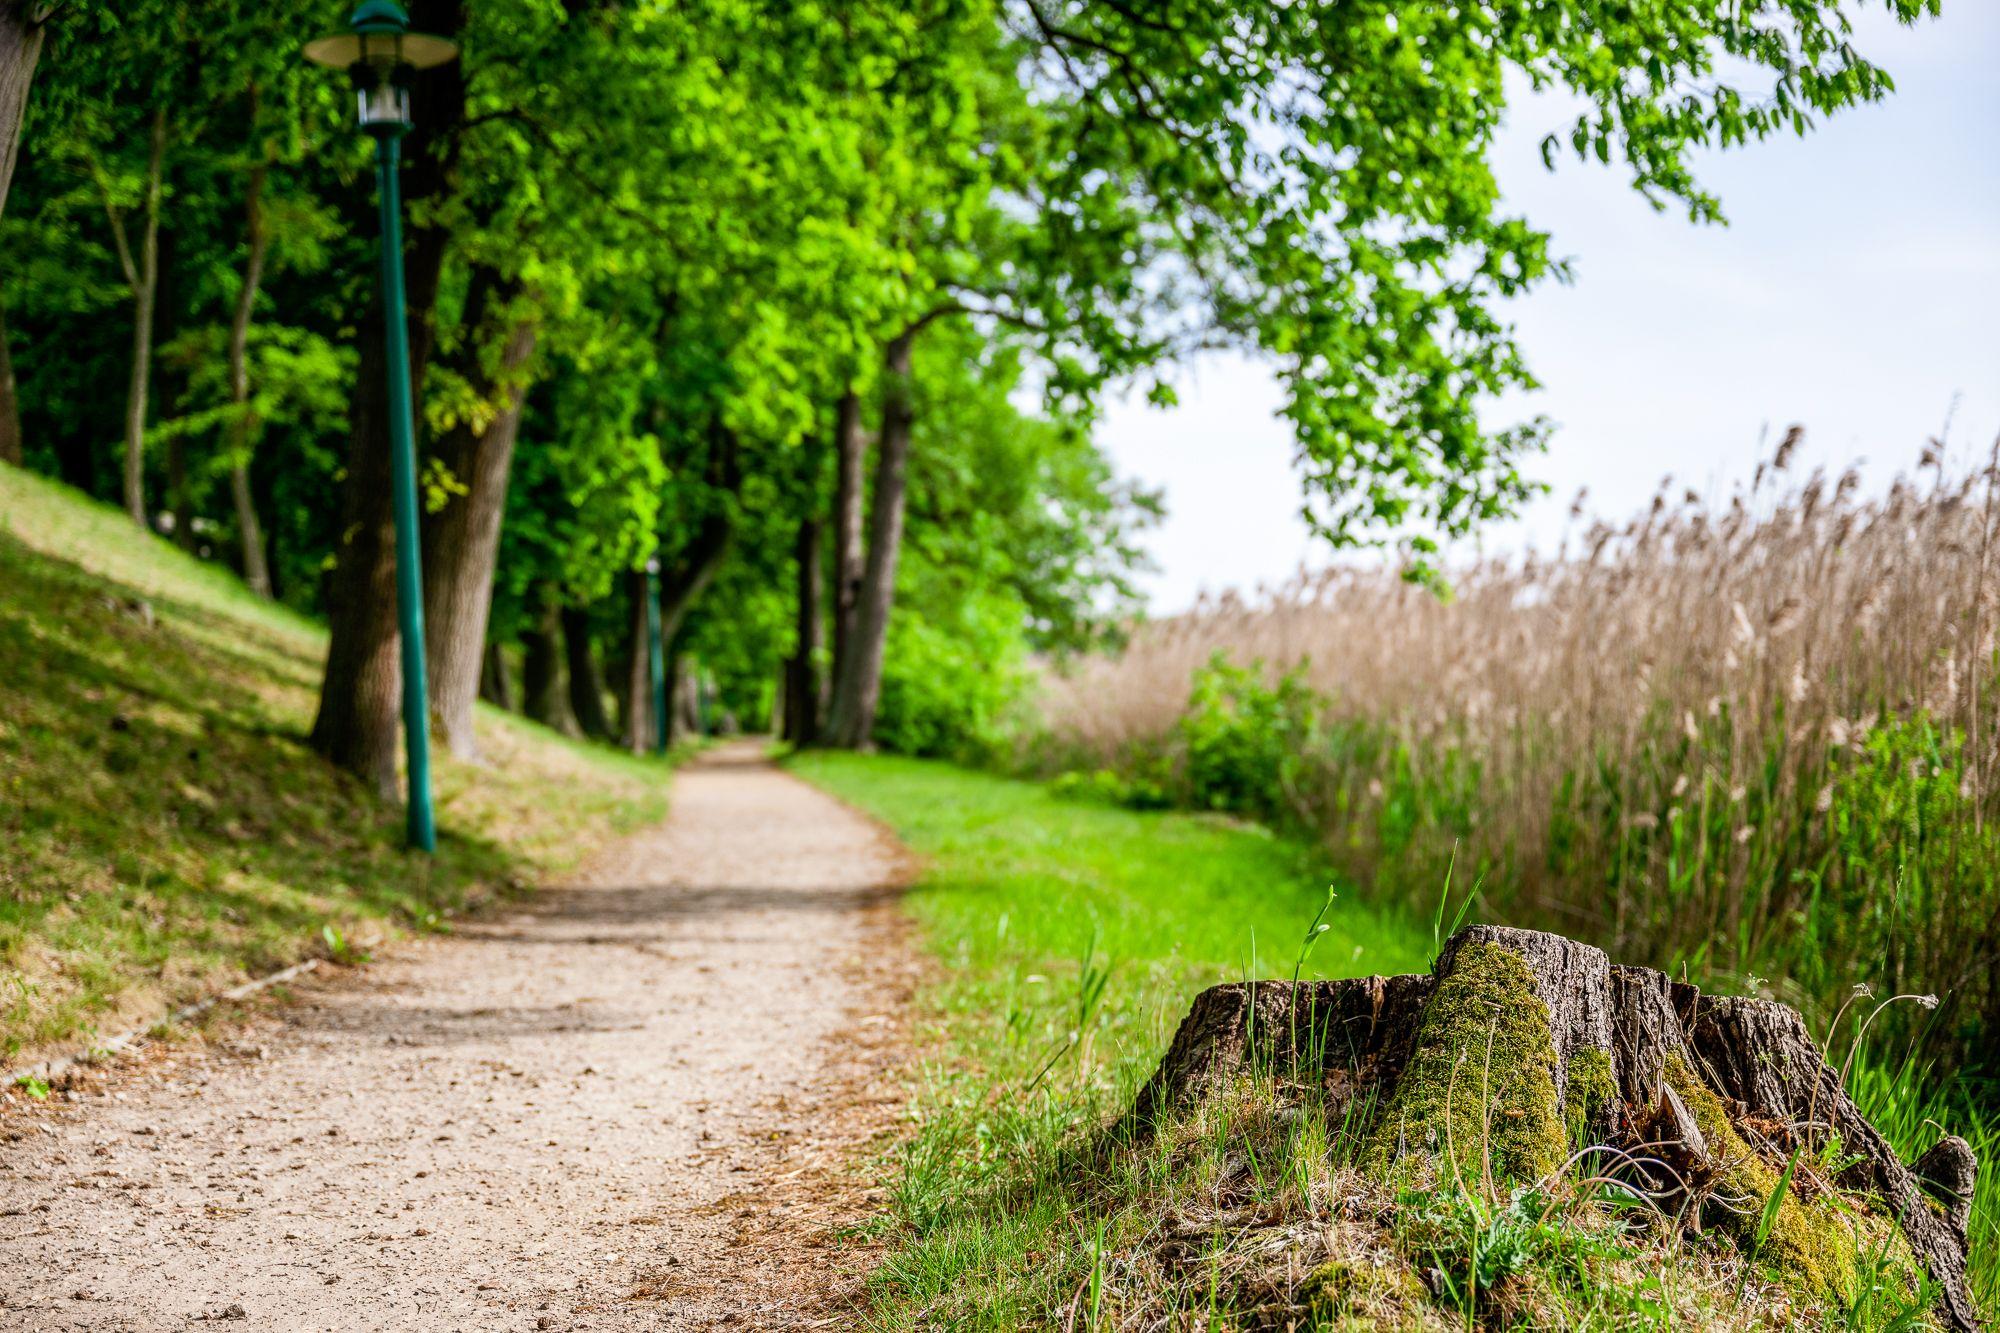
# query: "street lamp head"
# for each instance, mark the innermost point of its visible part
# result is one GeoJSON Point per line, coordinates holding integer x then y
{"type": "Point", "coordinates": [381, 53]}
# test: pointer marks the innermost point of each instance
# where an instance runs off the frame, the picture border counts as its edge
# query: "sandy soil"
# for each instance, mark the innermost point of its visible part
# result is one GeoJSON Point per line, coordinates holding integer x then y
{"type": "Point", "coordinates": [633, 1105]}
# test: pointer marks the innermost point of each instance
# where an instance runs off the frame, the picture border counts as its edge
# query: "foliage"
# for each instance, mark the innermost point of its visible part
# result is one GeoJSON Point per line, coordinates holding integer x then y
{"type": "Point", "coordinates": [1240, 739]}
{"type": "Point", "coordinates": [714, 217]}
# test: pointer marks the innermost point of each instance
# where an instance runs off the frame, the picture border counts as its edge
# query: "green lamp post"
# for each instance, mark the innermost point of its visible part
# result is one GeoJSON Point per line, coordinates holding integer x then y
{"type": "Point", "coordinates": [381, 53]}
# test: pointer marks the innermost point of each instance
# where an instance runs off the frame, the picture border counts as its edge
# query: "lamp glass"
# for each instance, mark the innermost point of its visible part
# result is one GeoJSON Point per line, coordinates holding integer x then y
{"type": "Point", "coordinates": [383, 102]}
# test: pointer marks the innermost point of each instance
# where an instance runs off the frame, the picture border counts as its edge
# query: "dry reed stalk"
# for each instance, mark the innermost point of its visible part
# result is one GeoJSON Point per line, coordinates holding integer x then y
{"type": "Point", "coordinates": [1708, 661]}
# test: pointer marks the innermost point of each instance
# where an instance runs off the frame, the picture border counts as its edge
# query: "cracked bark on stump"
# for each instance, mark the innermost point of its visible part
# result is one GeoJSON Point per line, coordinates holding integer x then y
{"type": "Point", "coordinates": [1752, 1059]}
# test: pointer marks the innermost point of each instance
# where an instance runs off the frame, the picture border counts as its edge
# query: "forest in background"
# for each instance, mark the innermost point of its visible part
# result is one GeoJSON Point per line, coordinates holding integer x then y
{"type": "Point", "coordinates": [807, 307]}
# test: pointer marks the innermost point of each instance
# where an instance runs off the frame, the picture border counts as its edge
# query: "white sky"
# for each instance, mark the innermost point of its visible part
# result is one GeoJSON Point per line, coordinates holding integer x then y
{"type": "Point", "coordinates": [1856, 291]}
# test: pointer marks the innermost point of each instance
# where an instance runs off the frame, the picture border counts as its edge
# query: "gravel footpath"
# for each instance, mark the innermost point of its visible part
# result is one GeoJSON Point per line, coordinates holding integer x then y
{"type": "Point", "coordinates": [632, 1105]}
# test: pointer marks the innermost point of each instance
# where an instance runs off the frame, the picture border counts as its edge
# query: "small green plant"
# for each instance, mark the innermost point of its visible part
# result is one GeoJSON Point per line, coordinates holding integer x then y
{"type": "Point", "coordinates": [1889, 1297]}
{"type": "Point", "coordinates": [340, 949]}
{"type": "Point", "coordinates": [1438, 933]}
{"type": "Point", "coordinates": [1314, 932]}
{"type": "Point", "coordinates": [1768, 1218]}
{"type": "Point", "coordinates": [34, 1087]}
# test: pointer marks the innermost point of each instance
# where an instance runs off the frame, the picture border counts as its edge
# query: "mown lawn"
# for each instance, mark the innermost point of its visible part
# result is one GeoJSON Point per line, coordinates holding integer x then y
{"type": "Point", "coordinates": [1029, 902]}
{"type": "Point", "coordinates": [164, 830]}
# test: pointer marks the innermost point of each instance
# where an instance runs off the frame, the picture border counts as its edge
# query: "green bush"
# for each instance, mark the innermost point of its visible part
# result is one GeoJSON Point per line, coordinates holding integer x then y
{"type": "Point", "coordinates": [951, 681]}
{"type": "Point", "coordinates": [1243, 744]}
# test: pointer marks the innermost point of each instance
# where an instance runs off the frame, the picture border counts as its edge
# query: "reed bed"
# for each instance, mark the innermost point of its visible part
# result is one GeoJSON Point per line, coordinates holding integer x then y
{"type": "Point", "coordinates": [1756, 735]}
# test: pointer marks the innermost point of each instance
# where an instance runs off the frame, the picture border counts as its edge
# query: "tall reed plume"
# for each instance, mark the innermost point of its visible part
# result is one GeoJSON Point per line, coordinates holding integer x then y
{"type": "Point", "coordinates": [1756, 734]}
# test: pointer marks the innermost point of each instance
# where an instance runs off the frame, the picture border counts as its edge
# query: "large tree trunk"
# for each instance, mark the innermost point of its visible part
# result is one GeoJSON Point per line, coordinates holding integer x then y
{"type": "Point", "coordinates": [801, 695]}
{"type": "Point", "coordinates": [1521, 1050]}
{"type": "Point", "coordinates": [142, 277]}
{"type": "Point", "coordinates": [462, 539]}
{"type": "Point", "coordinates": [849, 556]}
{"type": "Point", "coordinates": [858, 689]}
{"type": "Point", "coordinates": [586, 685]}
{"type": "Point", "coordinates": [541, 667]}
{"type": "Point", "coordinates": [359, 698]}
{"type": "Point", "coordinates": [683, 582]}
{"type": "Point", "coordinates": [22, 25]}
{"type": "Point", "coordinates": [495, 686]}
{"type": "Point", "coordinates": [242, 430]}
{"type": "Point", "coordinates": [638, 675]}
{"type": "Point", "coordinates": [11, 448]}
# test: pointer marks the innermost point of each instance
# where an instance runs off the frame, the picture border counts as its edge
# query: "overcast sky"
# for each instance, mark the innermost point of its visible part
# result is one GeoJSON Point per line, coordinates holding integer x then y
{"type": "Point", "coordinates": [1856, 291]}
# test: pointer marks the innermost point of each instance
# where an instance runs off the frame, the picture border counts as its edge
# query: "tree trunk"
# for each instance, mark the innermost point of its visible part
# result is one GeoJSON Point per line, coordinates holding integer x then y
{"type": "Point", "coordinates": [801, 694]}
{"type": "Point", "coordinates": [687, 701]}
{"type": "Point", "coordinates": [494, 686]}
{"type": "Point", "coordinates": [11, 449]}
{"type": "Point", "coordinates": [638, 675]}
{"type": "Point", "coordinates": [142, 276]}
{"type": "Point", "coordinates": [242, 430]}
{"type": "Point", "coordinates": [180, 502]}
{"type": "Point", "coordinates": [676, 724]}
{"type": "Point", "coordinates": [359, 696]}
{"type": "Point", "coordinates": [1521, 1049]}
{"type": "Point", "coordinates": [586, 686]}
{"type": "Point", "coordinates": [858, 689]}
{"type": "Point", "coordinates": [22, 25]}
{"type": "Point", "coordinates": [541, 668]}
{"type": "Point", "coordinates": [851, 457]}
{"type": "Point", "coordinates": [462, 539]}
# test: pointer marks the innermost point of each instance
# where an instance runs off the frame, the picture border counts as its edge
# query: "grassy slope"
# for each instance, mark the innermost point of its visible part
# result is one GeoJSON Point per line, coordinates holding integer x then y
{"type": "Point", "coordinates": [163, 829]}
{"type": "Point", "coordinates": [1020, 884]}
{"type": "Point", "coordinates": [998, 1227]}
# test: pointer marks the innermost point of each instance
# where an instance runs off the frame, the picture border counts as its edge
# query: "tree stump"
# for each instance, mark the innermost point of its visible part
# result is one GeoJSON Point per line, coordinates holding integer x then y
{"type": "Point", "coordinates": [1522, 1050]}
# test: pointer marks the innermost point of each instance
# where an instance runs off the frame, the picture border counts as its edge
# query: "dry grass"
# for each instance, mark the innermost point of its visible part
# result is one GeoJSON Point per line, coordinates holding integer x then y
{"type": "Point", "coordinates": [1700, 735]}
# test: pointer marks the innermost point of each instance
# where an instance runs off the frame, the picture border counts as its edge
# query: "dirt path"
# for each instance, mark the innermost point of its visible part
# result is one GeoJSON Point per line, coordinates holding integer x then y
{"type": "Point", "coordinates": [623, 1108]}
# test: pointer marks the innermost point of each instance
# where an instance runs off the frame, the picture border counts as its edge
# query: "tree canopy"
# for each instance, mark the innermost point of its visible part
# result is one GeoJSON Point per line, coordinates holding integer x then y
{"type": "Point", "coordinates": [808, 307]}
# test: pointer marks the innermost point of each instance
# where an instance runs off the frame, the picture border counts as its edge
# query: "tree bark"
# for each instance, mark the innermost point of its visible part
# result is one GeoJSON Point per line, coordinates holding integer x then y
{"type": "Point", "coordinates": [22, 27]}
{"type": "Point", "coordinates": [142, 278]}
{"type": "Point", "coordinates": [684, 581]}
{"type": "Point", "coordinates": [851, 457]}
{"type": "Point", "coordinates": [542, 696]}
{"type": "Point", "coordinates": [801, 695]}
{"type": "Point", "coordinates": [11, 447]}
{"type": "Point", "coordinates": [242, 429]}
{"type": "Point", "coordinates": [638, 675]}
{"type": "Point", "coordinates": [586, 685]}
{"type": "Point", "coordinates": [858, 690]}
{"type": "Point", "coordinates": [1681, 1087]}
{"type": "Point", "coordinates": [676, 723]}
{"type": "Point", "coordinates": [462, 539]}
{"type": "Point", "coordinates": [494, 685]}
{"type": "Point", "coordinates": [359, 697]}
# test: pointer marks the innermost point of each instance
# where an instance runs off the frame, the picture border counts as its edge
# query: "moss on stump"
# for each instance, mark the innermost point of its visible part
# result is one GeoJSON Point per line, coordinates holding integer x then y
{"type": "Point", "coordinates": [1479, 1091]}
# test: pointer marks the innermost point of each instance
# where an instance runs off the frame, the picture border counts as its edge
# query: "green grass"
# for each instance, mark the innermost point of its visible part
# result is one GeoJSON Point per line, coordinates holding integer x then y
{"type": "Point", "coordinates": [166, 830]}
{"type": "Point", "coordinates": [1029, 903]}
{"type": "Point", "coordinates": [1068, 938]}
